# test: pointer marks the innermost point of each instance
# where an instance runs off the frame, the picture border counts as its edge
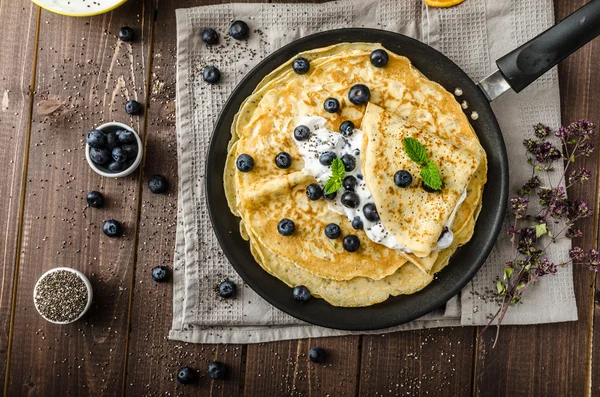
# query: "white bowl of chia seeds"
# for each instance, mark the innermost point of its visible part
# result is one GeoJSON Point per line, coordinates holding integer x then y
{"type": "Point", "coordinates": [62, 295]}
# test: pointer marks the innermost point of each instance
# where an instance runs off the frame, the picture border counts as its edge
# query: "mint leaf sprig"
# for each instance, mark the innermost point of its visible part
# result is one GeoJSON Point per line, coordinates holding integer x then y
{"type": "Point", "coordinates": [417, 153]}
{"type": "Point", "coordinates": [337, 175]}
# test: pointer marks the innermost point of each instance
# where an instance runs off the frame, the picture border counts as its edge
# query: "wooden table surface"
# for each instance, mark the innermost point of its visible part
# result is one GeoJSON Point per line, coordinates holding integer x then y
{"type": "Point", "coordinates": [58, 77]}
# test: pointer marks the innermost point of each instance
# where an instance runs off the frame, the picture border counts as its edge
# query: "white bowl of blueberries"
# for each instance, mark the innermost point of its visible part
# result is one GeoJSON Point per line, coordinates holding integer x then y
{"type": "Point", "coordinates": [113, 149]}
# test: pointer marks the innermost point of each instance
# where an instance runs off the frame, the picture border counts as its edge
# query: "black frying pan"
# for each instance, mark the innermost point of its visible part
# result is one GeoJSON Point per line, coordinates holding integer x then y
{"type": "Point", "coordinates": [517, 70]}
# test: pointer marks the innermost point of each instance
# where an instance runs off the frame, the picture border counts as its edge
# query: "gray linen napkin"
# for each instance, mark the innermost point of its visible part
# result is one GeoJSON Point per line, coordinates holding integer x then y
{"type": "Point", "coordinates": [472, 34]}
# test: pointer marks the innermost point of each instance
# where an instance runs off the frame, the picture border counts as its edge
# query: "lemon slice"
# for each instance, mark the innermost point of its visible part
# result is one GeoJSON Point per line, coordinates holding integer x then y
{"type": "Point", "coordinates": [442, 3]}
{"type": "Point", "coordinates": [79, 8]}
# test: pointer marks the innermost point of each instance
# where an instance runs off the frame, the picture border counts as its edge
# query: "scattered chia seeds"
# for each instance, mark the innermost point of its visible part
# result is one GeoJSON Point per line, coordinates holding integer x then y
{"type": "Point", "coordinates": [61, 296]}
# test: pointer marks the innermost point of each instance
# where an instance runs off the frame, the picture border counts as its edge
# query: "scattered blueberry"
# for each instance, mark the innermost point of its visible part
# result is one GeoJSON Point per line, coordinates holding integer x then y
{"type": "Point", "coordinates": [350, 199]}
{"type": "Point", "coordinates": [185, 375]}
{"type": "Point", "coordinates": [402, 178]}
{"type": "Point", "coordinates": [95, 199]}
{"type": "Point", "coordinates": [349, 162]}
{"type": "Point", "coordinates": [126, 34]}
{"type": "Point", "coordinates": [227, 289]}
{"type": "Point", "coordinates": [99, 156]}
{"type": "Point", "coordinates": [347, 128]}
{"type": "Point", "coordinates": [217, 370]}
{"type": "Point", "coordinates": [301, 65]}
{"type": "Point", "coordinates": [330, 197]}
{"type": "Point", "coordinates": [160, 274]}
{"type": "Point", "coordinates": [357, 223]}
{"type": "Point", "coordinates": [210, 36]}
{"type": "Point", "coordinates": [351, 243]}
{"type": "Point", "coordinates": [349, 183]}
{"type": "Point", "coordinates": [286, 227]}
{"type": "Point", "coordinates": [244, 163]}
{"type": "Point", "coordinates": [316, 354]}
{"type": "Point", "coordinates": [119, 155]}
{"type": "Point", "coordinates": [283, 160]}
{"type": "Point", "coordinates": [314, 191]}
{"type": "Point", "coordinates": [130, 149]}
{"type": "Point", "coordinates": [158, 184]}
{"type": "Point", "coordinates": [112, 228]}
{"type": "Point", "coordinates": [333, 231]}
{"type": "Point", "coordinates": [379, 58]}
{"type": "Point", "coordinates": [115, 166]}
{"type": "Point", "coordinates": [112, 140]}
{"type": "Point", "coordinates": [301, 293]}
{"type": "Point", "coordinates": [133, 107]}
{"type": "Point", "coordinates": [239, 30]}
{"type": "Point", "coordinates": [326, 158]}
{"type": "Point", "coordinates": [301, 133]}
{"type": "Point", "coordinates": [370, 212]}
{"type": "Point", "coordinates": [96, 139]}
{"type": "Point", "coordinates": [126, 136]}
{"type": "Point", "coordinates": [211, 75]}
{"type": "Point", "coordinates": [428, 188]}
{"type": "Point", "coordinates": [359, 94]}
{"type": "Point", "coordinates": [331, 105]}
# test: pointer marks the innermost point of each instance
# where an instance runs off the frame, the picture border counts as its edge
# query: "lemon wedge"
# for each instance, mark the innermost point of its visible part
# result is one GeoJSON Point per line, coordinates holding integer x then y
{"type": "Point", "coordinates": [442, 3]}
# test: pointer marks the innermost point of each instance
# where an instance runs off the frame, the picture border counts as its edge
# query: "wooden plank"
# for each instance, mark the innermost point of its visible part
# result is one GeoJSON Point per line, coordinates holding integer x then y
{"type": "Point", "coordinates": [84, 77]}
{"type": "Point", "coordinates": [435, 362]}
{"type": "Point", "coordinates": [284, 369]}
{"type": "Point", "coordinates": [154, 360]}
{"type": "Point", "coordinates": [18, 45]}
{"type": "Point", "coordinates": [552, 359]}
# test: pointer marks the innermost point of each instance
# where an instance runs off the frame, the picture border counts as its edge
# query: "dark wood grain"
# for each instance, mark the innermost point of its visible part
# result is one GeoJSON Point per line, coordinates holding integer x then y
{"type": "Point", "coordinates": [84, 77]}
{"type": "Point", "coordinates": [552, 359]}
{"type": "Point", "coordinates": [153, 360]}
{"type": "Point", "coordinates": [18, 31]}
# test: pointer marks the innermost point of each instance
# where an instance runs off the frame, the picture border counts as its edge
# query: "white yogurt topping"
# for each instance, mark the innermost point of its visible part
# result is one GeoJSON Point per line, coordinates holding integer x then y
{"type": "Point", "coordinates": [323, 140]}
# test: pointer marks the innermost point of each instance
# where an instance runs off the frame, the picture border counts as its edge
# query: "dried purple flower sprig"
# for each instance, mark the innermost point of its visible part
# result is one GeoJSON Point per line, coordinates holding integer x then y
{"type": "Point", "coordinates": [532, 234]}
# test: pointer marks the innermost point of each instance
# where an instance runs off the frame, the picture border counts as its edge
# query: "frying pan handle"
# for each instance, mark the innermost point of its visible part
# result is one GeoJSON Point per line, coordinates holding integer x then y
{"type": "Point", "coordinates": [524, 65]}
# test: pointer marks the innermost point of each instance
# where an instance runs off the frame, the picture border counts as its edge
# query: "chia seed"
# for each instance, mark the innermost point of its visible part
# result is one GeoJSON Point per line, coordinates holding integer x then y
{"type": "Point", "coordinates": [61, 296]}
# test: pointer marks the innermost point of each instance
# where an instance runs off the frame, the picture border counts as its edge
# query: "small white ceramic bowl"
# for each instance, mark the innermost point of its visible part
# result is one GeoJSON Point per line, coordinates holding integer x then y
{"type": "Point", "coordinates": [87, 284]}
{"type": "Point", "coordinates": [101, 170]}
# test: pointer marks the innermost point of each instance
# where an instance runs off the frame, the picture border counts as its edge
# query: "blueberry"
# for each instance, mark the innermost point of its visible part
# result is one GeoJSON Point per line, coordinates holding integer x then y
{"type": "Point", "coordinates": [115, 166]}
{"type": "Point", "coordinates": [130, 149]}
{"type": "Point", "coordinates": [350, 199]}
{"type": "Point", "coordinates": [160, 274]}
{"type": "Point", "coordinates": [330, 197]}
{"type": "Point", "coordinates": [126, 136]}
{"type": "Point", "coordinates": [112, 228]}
{"type": "Point", "coordinates": [211, 74]}
{"type": "Point", "coordinates": [331, 105]}
{"type": "Point", "coordinates": [301, 133]}
{"type": "Point", "coordinates": [95, 199]}
{"type": "Point", "coordinates": [119, 155]}
{"type": "Point", "coordinates": [316, 354]}
{"type": "Point", "coordinates": [286, 227]}
{"type": "Point", "coordinates": [158, 184]}
{"type": "Point", "coordinates": [333, 231]}
{"type": "Point", "coordinates": [283, 160]}
{"type": "Point", "coordinates": [357, 223]}
{"type": "Point", "coordinates": [428, 188]}
{"type": "Point", "coordinates": [126, 34]}
{"type": "Point", "coordinates": [314, 191]}
{"type": "Point", "coordinates": [217, 370]}
{"type": "Point", "coordinates": [402, 178]}
{"type": "Point", "coordinates": [379, 58]}
{"type": "Point", "coordinates": [359, 94]}
{"type": "Point", "coordinates": [326, 158]}
{"type": "Point", "coordinates": [301, 65]}
{"type": "Point", "coordinates": [227, 289]}
{"type": "Point", "coordinates": [133, 107]}
{"type": "Point", "coordinates": [349, 183]}
{"type": "Point", "coordinates": [210, 36]}
{"type": "Point", "coordinates": [347, 128]}
{"type": "Point", "coordinates": [96, 139]}
{"type": "Point", "coordinates": [244, 163]}
{"type": "Point", "coordinates": [349, 162]}
{"type": "Point", "coordinates": [301, 293]}
{"type": "Point", "coordinates": [185, 375]}
{"type": "Point", "coordinates": [112, 140]}
{"type": "Point", "coordinates": [351, 243]}
{"type": "Point", "coordinates": [239, 30]}
{"type": "Point", "coordinates": [370, 212]}
{"type": "Point", "coordinates": [99, 156]}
